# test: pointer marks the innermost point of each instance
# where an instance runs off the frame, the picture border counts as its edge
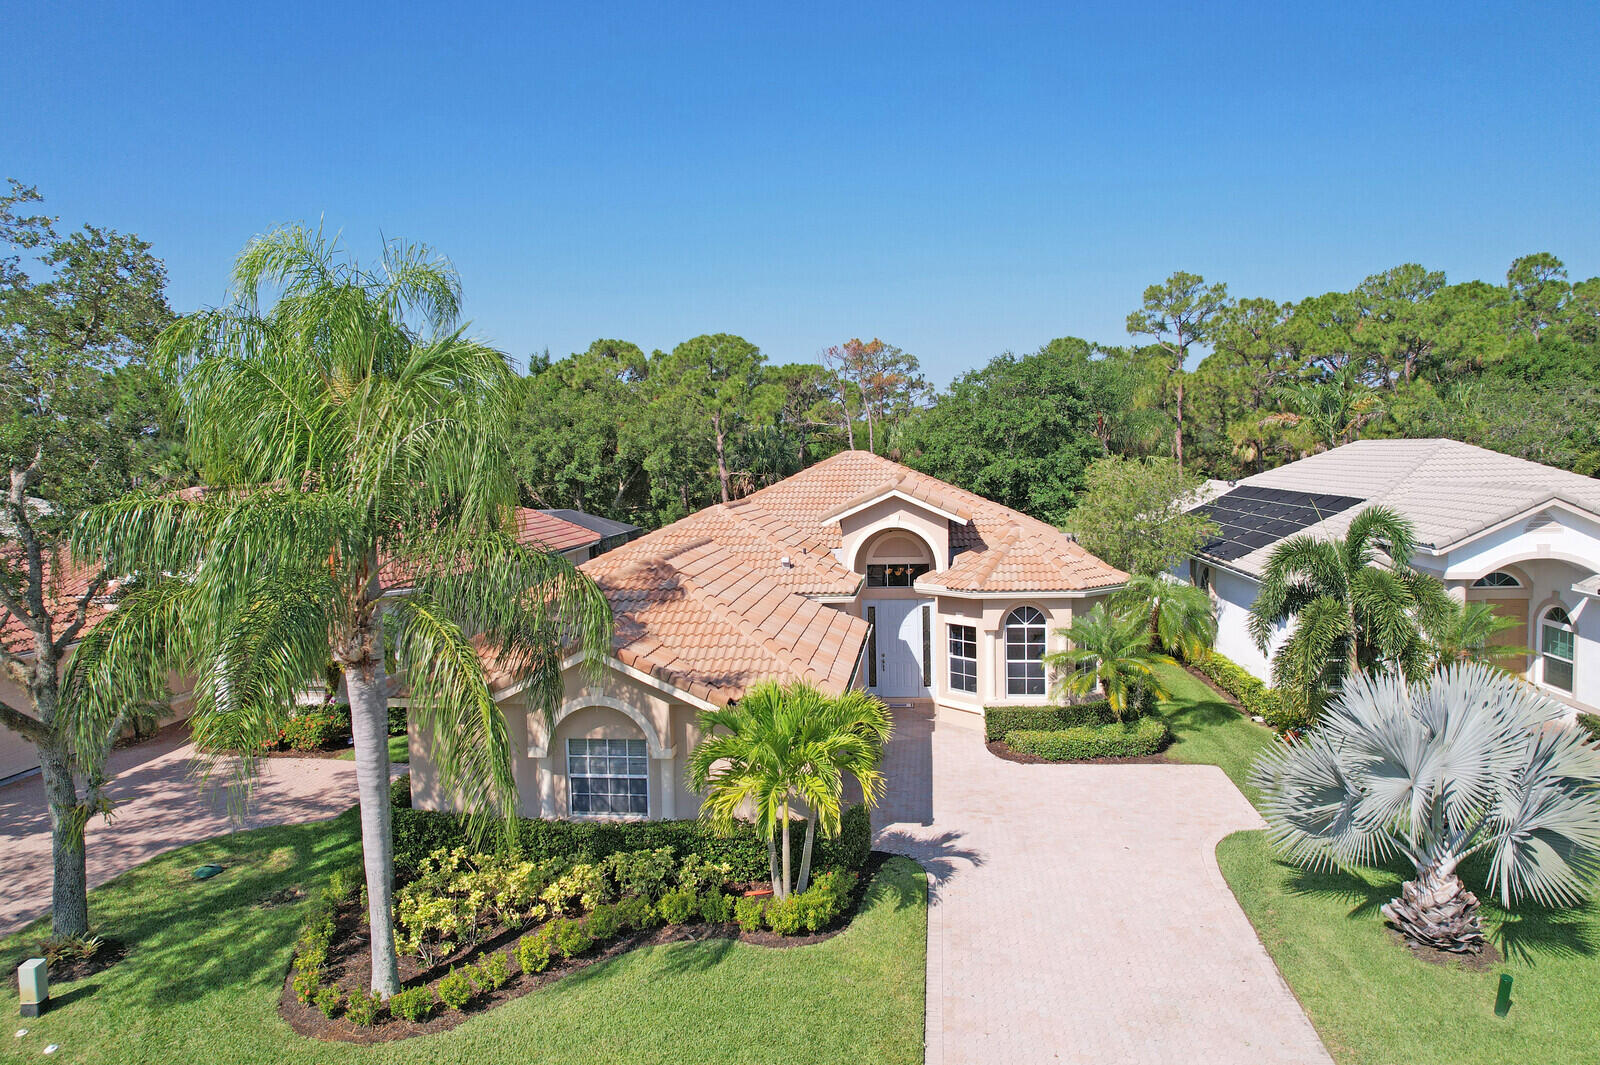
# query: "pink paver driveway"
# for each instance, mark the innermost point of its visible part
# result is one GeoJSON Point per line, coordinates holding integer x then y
{"type": "Point", "coordinates": [1076, 912]}
{"type": "Point", "coordinates": [159, 805]}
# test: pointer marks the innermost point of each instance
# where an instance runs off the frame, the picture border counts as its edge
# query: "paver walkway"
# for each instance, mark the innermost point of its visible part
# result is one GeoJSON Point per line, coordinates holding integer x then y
{"type": "Point", "coordinates": [1076, 912]}
{"type": "Point", "coordinates": [159, 805]}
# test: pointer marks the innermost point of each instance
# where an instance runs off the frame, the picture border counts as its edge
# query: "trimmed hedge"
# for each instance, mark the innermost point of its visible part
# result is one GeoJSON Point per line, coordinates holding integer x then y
{"type": "Point", "coordinates": [999, 720]}
{"type": "Point", "coordinates": [1275, 707]}
{"type": "Point", "coordinates": [418, 833]}
{"type": "Point", "coordinates": [1126, 739]}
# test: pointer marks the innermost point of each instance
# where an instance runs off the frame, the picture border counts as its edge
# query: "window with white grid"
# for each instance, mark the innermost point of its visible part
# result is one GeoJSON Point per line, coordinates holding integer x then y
{"type": "Point", "coordinates": [610, 777]}
{"type": "Point", "coordinates": [963, 658]}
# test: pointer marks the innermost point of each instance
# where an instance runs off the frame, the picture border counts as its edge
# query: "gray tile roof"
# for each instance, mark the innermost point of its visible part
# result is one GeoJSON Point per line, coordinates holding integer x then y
{"type": "Point", "coordinates": [1447, 489]}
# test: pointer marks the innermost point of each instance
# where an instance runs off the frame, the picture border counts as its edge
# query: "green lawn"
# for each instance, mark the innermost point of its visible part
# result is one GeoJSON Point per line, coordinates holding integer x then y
{"type": "Point", "coordinates": [207, 960]}
{"type": "Point", "coordinates": [1372, 1002]}
{"type": "Point", "coordinates": [399, 750]}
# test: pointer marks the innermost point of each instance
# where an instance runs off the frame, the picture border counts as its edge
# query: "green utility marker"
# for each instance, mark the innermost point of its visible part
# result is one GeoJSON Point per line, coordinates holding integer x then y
{"type": "Point", "coordinates": [206, 872]}
{"type": "Point", "coordinates": [1502, 1001]}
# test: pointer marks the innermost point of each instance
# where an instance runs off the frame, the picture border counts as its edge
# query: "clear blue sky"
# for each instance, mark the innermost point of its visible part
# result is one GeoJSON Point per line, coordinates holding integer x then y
{"type": "Point", "coordinates": [957, 181]}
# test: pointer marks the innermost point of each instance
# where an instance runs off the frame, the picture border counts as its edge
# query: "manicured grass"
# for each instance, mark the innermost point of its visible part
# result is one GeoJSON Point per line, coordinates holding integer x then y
{"type": "Point", "coordinates": [1371, 1000]}
{"type": "Point", "coordinates": [399, 751]}
{"type": "Point", "coordinates": [1374, 1003]}
{"type": "Point", "coordinates": [207, 959]}
{"type": "Point", "coordinates": [1208, 729]}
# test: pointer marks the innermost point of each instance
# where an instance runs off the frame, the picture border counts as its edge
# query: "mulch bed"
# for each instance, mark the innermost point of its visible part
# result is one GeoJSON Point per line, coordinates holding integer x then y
{"type": "Point", "coordinates": [63, 969]}
{"type": "Point", "coordinates": [1000, 749]}
{"type": "Point", "coordinates": [1481, 962]}
{"type": "Point", "coordinates": [350, 965]}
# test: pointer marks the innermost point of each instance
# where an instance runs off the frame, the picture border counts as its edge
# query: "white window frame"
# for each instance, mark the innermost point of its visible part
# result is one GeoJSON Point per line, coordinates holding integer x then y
{"type": "Point", "coordinates": [629, 758]}
{"type": "Point", "coordinates": [1547, 624]}
{"type": "Point", "coordinates": [1488, 581]}
{"type": "Point", "coordinates": [1011, 623]}
{"type": "Point", "coordinates": [968, 663]}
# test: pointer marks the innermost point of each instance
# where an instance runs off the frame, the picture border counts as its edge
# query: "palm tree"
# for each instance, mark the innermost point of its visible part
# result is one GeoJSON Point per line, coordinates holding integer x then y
{"type": "Point", "coordinates": [1352, 608]}
{"type": "Point", "coordinates": [1110, 653]}
{"type": "Point", "coordinates": [362, 440]}
{"type": "Point", "coordinates": [1331, 411]}
{"type": "Point", "coordinates": [1462, 763]}
{"type": "Point", "coordinates": [1465, 633]}
{"type": "Point", "coordinates": [1183, 621]}
{"type": "Point", "coordinates": [783, 745]}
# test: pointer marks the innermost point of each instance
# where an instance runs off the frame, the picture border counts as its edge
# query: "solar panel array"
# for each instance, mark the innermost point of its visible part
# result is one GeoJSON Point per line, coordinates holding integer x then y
{"type": "Point", "coordinates": [1249, 517]}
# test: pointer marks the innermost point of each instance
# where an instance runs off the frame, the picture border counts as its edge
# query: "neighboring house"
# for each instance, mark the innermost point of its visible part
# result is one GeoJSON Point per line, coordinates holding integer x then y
{"type": "Point", "coordinates": [1494, 528]}
{"type": "Point", "coordinates": [563, 535]}
{"type": "Point", "coordinates": [854, 572]}
{"type": "Point", "coordinates": [608, 533]}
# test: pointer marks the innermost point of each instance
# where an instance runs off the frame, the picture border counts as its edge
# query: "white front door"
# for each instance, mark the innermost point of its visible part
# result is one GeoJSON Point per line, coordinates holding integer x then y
{"type": "Point", "coordinates": [901, 634]}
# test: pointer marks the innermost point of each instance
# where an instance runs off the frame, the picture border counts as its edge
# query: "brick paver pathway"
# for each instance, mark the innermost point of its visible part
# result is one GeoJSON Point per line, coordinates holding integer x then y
{"type": "Point", "coordinates": [1076, 912]}
{"type": "Point", "coordinates": [159, 805]}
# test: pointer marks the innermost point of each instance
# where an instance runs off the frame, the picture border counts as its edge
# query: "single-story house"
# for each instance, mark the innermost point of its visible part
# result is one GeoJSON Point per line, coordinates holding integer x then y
{"type": "Point", "coordinates": [1493, 528]}
{"type": "Point", "coordinates": [857, 571]}
{"type": "Point", "coordinates": [570, 533]}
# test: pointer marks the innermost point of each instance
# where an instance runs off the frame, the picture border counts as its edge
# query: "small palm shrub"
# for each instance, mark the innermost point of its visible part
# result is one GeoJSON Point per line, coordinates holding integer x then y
{"type": "Point", "coordinates": [1110, 653]}
{"type": "Point", "coordinates": [414, 1004]}
{"type": "Point", "coordinates": [455, 990]}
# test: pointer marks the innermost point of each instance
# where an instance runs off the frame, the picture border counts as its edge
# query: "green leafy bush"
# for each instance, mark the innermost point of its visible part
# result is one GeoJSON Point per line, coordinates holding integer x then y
{"type": "Point", "coordinates": [827, 898]}
{"type": "Point", "coordinates": [646, 874]}
{"type": "Point", "coordinates": [1275, 707]}
{"type": "Point", "coordinates": [579, 889]}
{"type": "Point", "coordinates": [307, 980]}
{"type": "Point", "coordinates": [455, 990]}
{"type": "Point", "coordinates": [1590, 723]}
{"type": "Point", "coordinates": [750, 913]}
{"type": "Point", "coordinates": [312, 730]}
{"type": "Point", "coordinates": [534, 951]}
{"type": "Point", "coordinates": [400, 792]}
{"type": "Point", "coordinates": [696, 874]}
{"type": "Point", "coordinates": [679, 907]}
{"type": "Point", "coordinates": [715, 907]}
{"type": "Point", "coordinates": [492, 973]}
{"type": "Point", "coordinates": [785, 916]}
{"type": "Point", "coordinates": [604, 923]}
{"type": "Point", "coordinates": [635, 913]}
{"type": "Point", "coordinates": [419, 833]}
{"type": "Point", "coordinates": [362, 1008]}
{"type": "Point", "coordinates": [999, 720]}
{"type": "Point", "coordinates": [397, 720]}
{"type": "Point", "coordinates": [413, 1004]}
{"type": "Point", "coordinates": [1128, 739]}
{"type": "Point", "coordinates": [570, 938]}
{"type": "Point", "coordinates": [456, 896]}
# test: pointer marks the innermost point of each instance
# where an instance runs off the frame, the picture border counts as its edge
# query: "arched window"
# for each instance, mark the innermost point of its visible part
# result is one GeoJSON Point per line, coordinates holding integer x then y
{"type": "Point", "coordinates": [1498, 579]}
{"type": "Point", "coordinates": [1024, 651]}
{"type": "Point", "coordinates": [1556, 648]}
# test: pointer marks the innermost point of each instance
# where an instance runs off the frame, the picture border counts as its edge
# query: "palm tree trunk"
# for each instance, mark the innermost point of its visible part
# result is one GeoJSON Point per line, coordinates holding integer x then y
{"type": "Point", "coordinates": [786, 881]}
{"type": "Point", "coordinates": [805, 853]}
{"type": "Point", "coordinates": [1436, 910]}
{"type": "Point", "coordinates": [369, 725]}
{"type": "Point", "coordinates": [772, 863]}
{"type": "Point", "coordinates": [69, 889]}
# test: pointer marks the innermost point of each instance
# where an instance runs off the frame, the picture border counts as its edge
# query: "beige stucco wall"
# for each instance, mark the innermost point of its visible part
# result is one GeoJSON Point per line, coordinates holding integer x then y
{"type": "Point", "coordinates": [858, 528]}
{"type": "Point", "coordinates": [614, 705]}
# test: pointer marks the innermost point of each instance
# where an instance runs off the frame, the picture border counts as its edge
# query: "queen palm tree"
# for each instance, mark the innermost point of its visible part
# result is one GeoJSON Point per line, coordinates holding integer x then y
{"type": "Point", "coordinates": [360, 437]}
{"type": "Point", "coordinates": [784, 745]}
{"type": "Point", "coordinates": [1183, 621]}
{"type": "Point", "coordinates": [1109, 652]}
{"type": "Point", "coordinates": [1438, 771]}
{"type": "Point", "coordinates": [1355, 604]}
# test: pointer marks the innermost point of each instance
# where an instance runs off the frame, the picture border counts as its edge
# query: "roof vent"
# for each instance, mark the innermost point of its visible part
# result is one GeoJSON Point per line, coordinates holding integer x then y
{"type": "Point", "coordinates": [786, 562]}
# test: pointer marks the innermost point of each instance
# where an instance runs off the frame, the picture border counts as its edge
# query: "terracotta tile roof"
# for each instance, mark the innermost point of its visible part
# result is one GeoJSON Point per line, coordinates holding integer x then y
{"type": "Point", "coordinates": [61, 598]}
{"type": "Point", "coordinates": [723, 597]}
{"type": "Point", "coordinates": [535, 527]}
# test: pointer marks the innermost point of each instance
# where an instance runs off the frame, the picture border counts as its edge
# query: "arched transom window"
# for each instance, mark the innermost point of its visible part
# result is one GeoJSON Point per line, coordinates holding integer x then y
{"type": "Point", "coordinates": [1024, 652]}
{"type": "Point", "coordinates": [1498, 579]}
{"type": "Point", "coordinates": [1556, 648]}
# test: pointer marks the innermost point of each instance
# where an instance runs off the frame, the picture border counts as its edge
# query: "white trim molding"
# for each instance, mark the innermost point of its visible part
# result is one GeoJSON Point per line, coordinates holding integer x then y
{"type": "Point", "coordinates": [539, 745]}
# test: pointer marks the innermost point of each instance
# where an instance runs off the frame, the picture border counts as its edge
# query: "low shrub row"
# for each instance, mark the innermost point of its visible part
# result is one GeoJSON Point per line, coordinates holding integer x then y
{"type": "Point", "coordinates": [1114, 739]}
{"type": "Point", "coordinates": [999, 720]}
{"type": "Point", "coordinates": [316, 936]}
{"type": "Point", "coordinates": [419, 833]}
{"type": "Point", "coordinates": [1276, 707]}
